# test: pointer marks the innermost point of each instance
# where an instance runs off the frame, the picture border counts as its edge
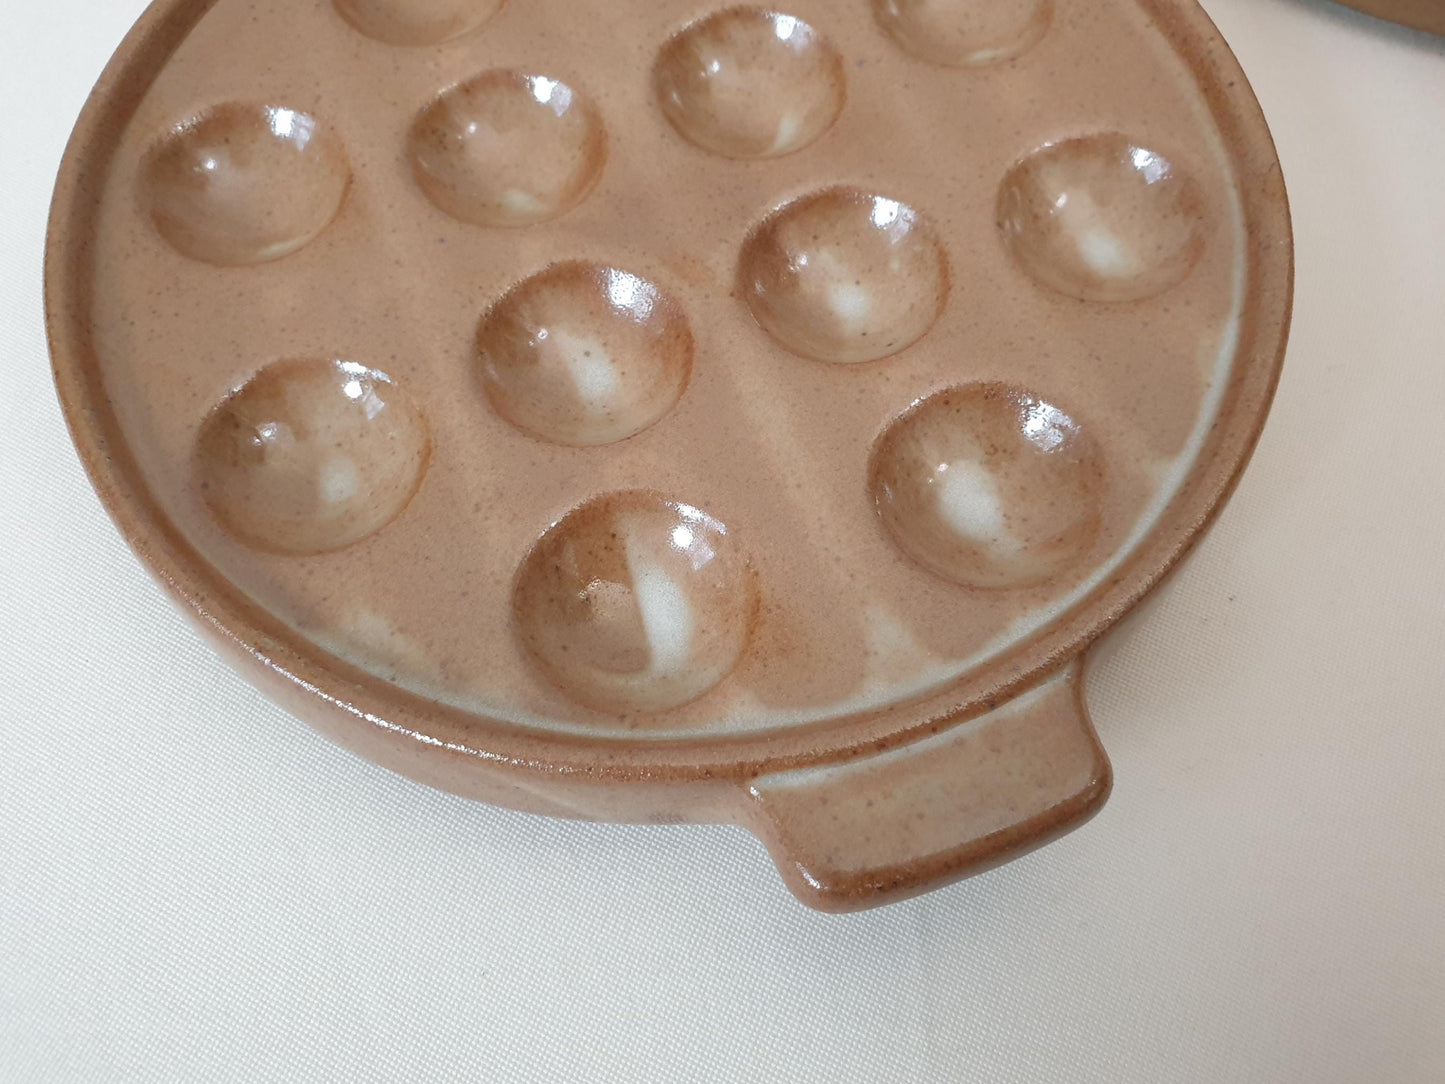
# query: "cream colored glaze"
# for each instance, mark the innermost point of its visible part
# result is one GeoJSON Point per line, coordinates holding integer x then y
{"type": "Point", "coordinates": [773, 444]}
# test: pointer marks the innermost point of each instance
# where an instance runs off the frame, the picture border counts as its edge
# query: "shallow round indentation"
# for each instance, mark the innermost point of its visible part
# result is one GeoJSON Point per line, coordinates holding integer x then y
{"type": "Point", "coordinates": [508, 149]}
{"type": "Point", "coordinates": [749, 83]}
{"type": "Point", "coordinates": [965, 33]}
{"type": "Point", "coordinates": [416, 22]}
{"type": "Point", "coordinates": [243, 184]}
{"type": "Point", "coordinates": [988, 486]}
{"type": "Point", "coordinates": [585, 354]}
{"type": "Point", "coordinates": [1102, 219]}
{"type": "Point", "coordinates": [311, 455]}
{"type": "Point", "coordinates": [843, 275]}
{"type": "Point", "coordinates": [633, 602]}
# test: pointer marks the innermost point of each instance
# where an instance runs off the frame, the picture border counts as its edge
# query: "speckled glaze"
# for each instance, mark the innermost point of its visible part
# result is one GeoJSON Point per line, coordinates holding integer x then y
{"type": "Point", "coordinates": [716, 414]}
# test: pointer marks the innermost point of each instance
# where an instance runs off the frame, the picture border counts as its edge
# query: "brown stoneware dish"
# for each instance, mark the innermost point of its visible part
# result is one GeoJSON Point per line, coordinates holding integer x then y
{"type": "Point", "coordinates": [666, 411]}
{"type": "Point", "coordinates": [1426, 15]}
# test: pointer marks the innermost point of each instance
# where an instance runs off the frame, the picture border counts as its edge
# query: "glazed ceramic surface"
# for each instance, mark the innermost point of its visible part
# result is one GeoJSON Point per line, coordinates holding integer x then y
{"type": "Point", "coordinates": [657, 412]}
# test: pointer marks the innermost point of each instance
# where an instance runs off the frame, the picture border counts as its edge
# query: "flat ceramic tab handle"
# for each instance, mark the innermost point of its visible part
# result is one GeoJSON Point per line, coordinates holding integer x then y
{"type": "Point", "coordinates": [870, 831]}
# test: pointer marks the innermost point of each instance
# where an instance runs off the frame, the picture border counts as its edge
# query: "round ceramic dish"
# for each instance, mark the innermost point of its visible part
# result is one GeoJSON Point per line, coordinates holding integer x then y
{"type": "Point", "coordinates": [1428, 15]}
{"type": "Point", "coordinates": [681, 414]}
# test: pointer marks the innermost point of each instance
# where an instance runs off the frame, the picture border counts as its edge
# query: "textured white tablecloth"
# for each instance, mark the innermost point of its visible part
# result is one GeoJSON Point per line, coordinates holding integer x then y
{"type": "Point", "coordinates": [193, 887]}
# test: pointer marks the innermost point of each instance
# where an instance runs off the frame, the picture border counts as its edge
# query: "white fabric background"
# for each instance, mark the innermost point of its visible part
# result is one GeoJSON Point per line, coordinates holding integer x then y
{"type": "Point", "coordinates": [195, 888]}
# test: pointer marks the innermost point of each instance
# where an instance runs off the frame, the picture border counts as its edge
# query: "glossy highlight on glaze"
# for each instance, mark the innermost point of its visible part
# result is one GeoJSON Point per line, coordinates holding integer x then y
{"type": "Point", "coordinates": [750, 83]}
{"type": "Point", "coordinates": [244, 184]}
{"type": "Point", "coordinates": [585, 354]}
{"type": "Point", "coordinates": [508, 148]}
{"type": "Point", "coordinates": [634, 602]}
{"type": "Point", "coordinates": [1101, 218]}
{"type": "Point", "coordinates": [310, 456]}
{"type": "Point", "coordinates": [988, 486]}
{"type": "Point", "coordinates": [405, 642]}
{"type": "Point", "coordinates": [844, 275]}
